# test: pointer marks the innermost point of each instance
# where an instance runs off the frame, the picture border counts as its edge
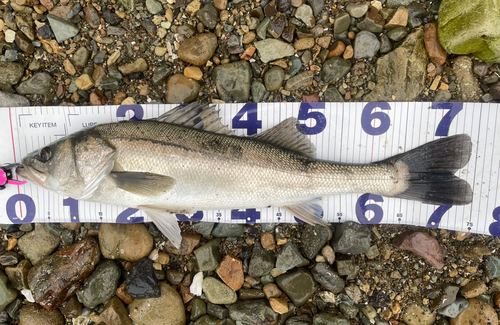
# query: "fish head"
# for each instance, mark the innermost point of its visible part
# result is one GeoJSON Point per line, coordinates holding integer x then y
{"type": "Point", "coordinates": [73, 166]}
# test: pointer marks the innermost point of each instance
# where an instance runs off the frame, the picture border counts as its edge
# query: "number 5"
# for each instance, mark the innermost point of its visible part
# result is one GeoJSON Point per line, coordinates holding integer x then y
{"type": "Point", "coordinates": [319, 117]}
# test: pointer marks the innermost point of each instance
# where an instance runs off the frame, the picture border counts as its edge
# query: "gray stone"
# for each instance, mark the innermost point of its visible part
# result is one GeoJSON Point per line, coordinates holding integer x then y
{"type": "Point", "coordinates": [160, 75]}
{"type": "Point", "coordinates": [101, 285]}
{"type": "Point", "coordinates": [110, 83]}
{"type": "Point", "coordinates": [81, 57]}
{"type": "Point", "coordinates": [366, 45]}
{"type": "Point", "coordinates": [442, 95]}
{"type": "Point", "coordinates": [397, 34]}
{"type": "Point", "coordinates": [345, 267]}
{"type": "Point", "coordinates": [495, 91]}
{"type": "Point", "coordinates": [262, 261]}
{"type": "Point", "coordinates": [40, 84]}
{"type": "Point", "coordinates": [400, 75]}
{"type": "Point", "coordinates": [305, 14]}
{"type": "Point", "coordinates": [446, 296]}
{"type": "Point", "coordinates": [330, 319]}
{"type": "Point", "coordinates": [357, 10]}
{"type": "Point", "coordinates": [258, 91]}
{"type": "Point", "coordinates": [348, 311]}
{"type": "Point", "coordinates": [208, 16]}
{"type": "Point", "coordinates": [373, 21]}
{"type": "Point", "coordinates": [7, 293]}
{"type": "Point", "coordinates": [454, 309]}
{"type": "Point", "coordinates": [333, 95]}
{"type": "Point", "coordinates": [299, 320]}
{"type": "Point", "coordinates": [218, 292]}
{"type": "Point", "coordinates": [298, 285]}
{"type": "Point", "coordinates": [208, 256]}
{"type": "Point", "coordinates": [272, 49]}
{"type": "Point", "coordinates": [385, 44]}
{"type": "Point", "coordinates": [327, 277]}
{"type": "Point", "coordinates": [251, 312]}
{"type": "Point", "coordinates": [289, 257]}
{"type": "Point", "coordinates": [38, 244]}
{"type": "Point", "coordinates": [342, 23]}
{"type": "Point", "coordinates": [204, 228]}
{"type": "Point", "coordinates": [414, 22]}
{"type": "Point", "coordinates": [114, 30]}
{"type": "Point", "coordinates": [262, 28]}
{"type": "Point", "coordinates": [207, 320]}
{"type": "Point", "coordinates": [181, 89]}
{"type": "Point", "coordinates": [233, 81]}
{"type": "Point", "coordinates": [335, 69]}
{"type": "Point", "coordinates": [12, 100]}
{"type": "Point", "coordinates": [353, 293]}
{"type": "Point", "coordinates": [273, 78]}
{"type": "Point", "coordinates": [313, 238]}
{"type": "Point", "coordinates": [153, 6]}
{"type": "Point", "coordinates": [492, 267]}
{"type": "Point", "coordinates": [62, 28]}
{"type": "Point", "coordinates": [397, 3]}
{"type": "Point", "coordinates": [217, 311]}
{"type": "Point", "coordinates": [228, 230]}
{"type": "Point", "coordinates": [317, 6]}
{"type": "Point", "coordinates": [351, 238]}
{"type": "Point", "coordinates": [11, 74]}
{"type": "Point", "coordinates": [470, 91]}
{"type": "Point", "coordinates": [296, 66]}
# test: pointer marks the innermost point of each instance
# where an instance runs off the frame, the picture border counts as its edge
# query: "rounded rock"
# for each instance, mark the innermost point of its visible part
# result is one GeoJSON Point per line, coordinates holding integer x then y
{"type": "Point", "coordinates": [217, 292]}
{"type": "Point", "coordinates": [273, 78]}
{"type": "Point", "coordinates": [33, 314]}
{"type": "Point", "coordinates": [416, 315]}
{"type": "Point", "coordinates": [478, 313]}
{"type": "Point", "coordinates": [233, 81]}
{"type": "Point", "coordinates": [198, 49]}
{"type": "Point", "coordinates": [366, 45]}
{"type": "Point", "coordinates": [101, 285]}
{"type": "Point", "coordinates": [181, 89]}
{"type": "Point", "coordinates": [130, 242]}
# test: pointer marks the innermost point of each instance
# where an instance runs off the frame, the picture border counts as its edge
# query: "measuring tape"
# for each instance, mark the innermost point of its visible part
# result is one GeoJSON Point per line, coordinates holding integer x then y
{"type": "Point", "coordinates": [342, 132]}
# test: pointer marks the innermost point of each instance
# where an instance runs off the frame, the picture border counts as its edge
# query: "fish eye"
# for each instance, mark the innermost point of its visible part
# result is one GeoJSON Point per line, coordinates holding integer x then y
{"type": "Point", "coordinates": [45, 154]}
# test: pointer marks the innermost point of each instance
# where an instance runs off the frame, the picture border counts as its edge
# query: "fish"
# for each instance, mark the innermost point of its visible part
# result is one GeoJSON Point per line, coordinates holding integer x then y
{"type": "Point", "coordinates": [186, 160]}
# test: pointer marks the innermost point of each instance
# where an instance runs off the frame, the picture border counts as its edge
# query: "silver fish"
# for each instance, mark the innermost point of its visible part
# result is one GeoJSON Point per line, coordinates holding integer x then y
{"type": "Point", "coordinates": [187, 160]}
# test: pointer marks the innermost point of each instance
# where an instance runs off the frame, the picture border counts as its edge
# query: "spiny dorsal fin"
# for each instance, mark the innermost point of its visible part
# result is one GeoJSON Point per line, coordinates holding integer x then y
{"type": "Point", "coordinates": [310, 212]}
{"type": "Point", "coordinates": [196, 115]}
{"type": "Point", "coordinates": [287, 136]}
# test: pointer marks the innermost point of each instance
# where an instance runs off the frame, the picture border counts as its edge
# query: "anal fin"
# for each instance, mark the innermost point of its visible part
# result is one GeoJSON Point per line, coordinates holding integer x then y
{"type": "Point", "coordinates": [166, 223]}
{"type": "Point", "coordinates": [144, 184]}
{"type": "Point", "coordinates": [310, 212]}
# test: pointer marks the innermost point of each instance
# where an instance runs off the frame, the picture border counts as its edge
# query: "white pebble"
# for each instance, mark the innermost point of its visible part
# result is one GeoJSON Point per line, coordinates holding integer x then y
{"type": "Point", "coordinates": [196, 285]}
{"type": "Point", "coordinates": [10, 36]}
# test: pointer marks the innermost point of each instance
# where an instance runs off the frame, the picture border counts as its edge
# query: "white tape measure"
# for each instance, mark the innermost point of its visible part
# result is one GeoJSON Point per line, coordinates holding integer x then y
{"type": "Point", "coordinates": [342, 132]}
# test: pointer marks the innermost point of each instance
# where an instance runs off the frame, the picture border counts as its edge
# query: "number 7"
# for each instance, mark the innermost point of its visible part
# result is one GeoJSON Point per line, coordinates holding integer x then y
{"type": "Point", "coordinates": [444, 125]}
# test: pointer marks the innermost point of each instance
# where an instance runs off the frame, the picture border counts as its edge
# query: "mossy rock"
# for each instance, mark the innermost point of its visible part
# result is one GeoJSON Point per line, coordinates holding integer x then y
{"type": "Point", "coordinates": [471, 27]}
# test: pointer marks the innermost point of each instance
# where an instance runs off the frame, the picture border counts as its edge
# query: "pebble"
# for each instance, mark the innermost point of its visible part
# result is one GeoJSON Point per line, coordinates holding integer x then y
{"type": "Point", "coordinates": [33, 314]}
{"type": "Point", "coordinates": [422, 245]}
{"type": "Point", "coordinates": [267, 239]}
{"type": "Point", "coordinates": [208, 256]}
{"type": "Point", "coordinates": [455, 308]}
{"type": "Point", "coordinates": [469, 86]}
{"type": "Point", "coordinates": [442, 96]}
{"type": "Point", "coordinates": [84, 82]}
{"type": "Point", "coordinates": [57, 276]}
{"type": "Point", "coordinates": [193, 73]}
{"type": "Point", "coordinates": [232, 81]}
{"type": "Point", "coordinates": [416, 315]}
{"type": "Point", "coordinates": [253, 312]}
{"type": "Point", "coordinates": [366, 45]}
{"type": "Point", "coordinates": [327, 277]}
{"type": "Point", "coordinates": [13, 72]}
{"type": "Point", "coordinates": [18, 275]}
{"type": "Point", "coordinates": [204, 228]}
{"type": "Point", "coordinates": [303, 79]}
{"type": "Point", "coordinates": [153, 6]}
{"type": "Point", "coordinates": [130, 242]}
{"type": "Point", "coordinates": [357, 10]}
{"type": "Point", "coordinates": [399, 19]}
{"type": "Point", "coordinates": [258, 91]}
{"type": "Point", "coordinates": [208, 15]}
{"type": "Point", "coordinates": [492, 267]}
{"type": "Point", "coordinates": [230, 271]}
{"type": "Point", "coordinates": [188, 243]}
{"type": "Point", "coordinates": [397, 34]}
{"type": "Point", "coordinates": [289, 257]}
{"type": "Point", "coordinates": [436, 53]}
{"type": "Point", "coordinates": [447, 296]}
{"type": "Point", "coordinates": [273, 49]}
{"type": "Point", "coordinates": [337, 49]}
{"type": "Point", "coordinates": [329, 319]}
{"type": "Point", "coordinates": [305, 14]}
{"type": "Point", "coordinates": [24, 43]}
{"type": "Point", "coordinates": [473, 289]}
{"type": "Point", "coordinates": [12, 100]}
{"type": "Point", "coordinates": [373, 21]}
{"type": "Point", "coordinates": [342, 23]}
{"type": "Point", "coordinates": [10, 36]}
{"type": "Point", "coordinates": [279, 305]}
{"type": "Point", "coordinates": [139, 65]}
{"type": "Point", "coordinates": [199, 308]}
{"type": "Point", "coordinates": [115, 313]}
{"type": "Point", "coordinates": [217, 292]}
{"type": "Point", "coordinates": [478, 313]}
{"type": "Point", "coordinates": [101, 285]}
{"type": "Point", "coordinates": [220, 4]}
{"type": "Point", "coordinates": [141, 282]}
{"type": "Point", "coordinates": [168, 309]}
{"type": "Point", "coordinates": [273, 79]}
{"type": "Point", "coordinates": [228, 229]}
{"type": "Point", "coordinates": [37, 244]}
{"type": "Point", "coordinates": [62, 28]}
{"type": "Point", "coordinates": [351, 238]}
{"type": "Point", "coordinates": [218, 311]}
{"type": "Point", "coordinates": [313, 238]}
{"type": "Point", "coordinates": [40, 84]}
{"type": "Point", "coordinates": [92, 16]}
{"type": "Point", "coordinates": [304, 43]}
{"type": "Point", "coordinates": [334, 69]}
{"type": "Point", "coordinates": [298, 285]}
{"type": "Point", "coordinates": [261, 262]}
{"type": "Point", "coordinates": [7, 293]}
{"type": "Point", "coordinates": [198, 49]}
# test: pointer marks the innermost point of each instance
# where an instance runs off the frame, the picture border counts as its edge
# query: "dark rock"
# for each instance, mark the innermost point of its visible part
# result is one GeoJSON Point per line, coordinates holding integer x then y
{"type": "Point", "coordinates": [10, 76]}
{"type": "Point", "coordinates": [45, 32]}
{"type": "Point", "coordinates": [7, 293]}
{"type": "Point", "coordinates": [71, 308]}
{"type": "Point", "coordinates": [111, 17]}
{"type": "Point", "coordinates": [283, 5]}
{"type": "Point", "coordinates": [141, 281]}
{"type": "Point", "coordinates": [397, 34]}
{"type": "Point", "coordinates": [330, 319]}
{"type": "Point", "coordinates": [101, 285]}
{"type": "Point", "coordinates": [160, 75]}
{"type": "Point", "coordinates": [351, 238]}
{"type": "Point", "coordinates": [289, 257]}
{"type": "Point", "coordinates": [24, 43]}
{"type": "Point", "coordinates": [74, 11]}
{"type": "Point", "coordinates": [298, 285]}
{"type": "Point", "coordinates": [62, 29]}
{"type": "Point", "coordinates": [233, 81]}
{"type": "Point", "coordinates": [335, 69]}
{"type": "Point", "coordinates": [208, 256]}
{"type": "Point", "coordinates": [313, 238]}
{"type": "Point", "coordinates": [373, 21]}
{"type": "Point", "coordinates": [333, 95]}
{"type": "Point", "coordinates": [18, 275]}
{"type": "Point", "coordinates": [40, 84]}
{"type": "Point", "coordinates": [251, 312]}
{"type": "Point", "coordinates": [327, 277]}
{"type": "Point", "coordinates": [228, 230]}
{"type": "Point", "coordinates": [208, 16]}
{"type": "Point", "coordinates": [57, 277]}
{"type": "Point", "coordinates": [317, 6]}
{"type": "Point", "coordinates": [262, 261]}
{"type": "Point", "coordinates": [379, 299]}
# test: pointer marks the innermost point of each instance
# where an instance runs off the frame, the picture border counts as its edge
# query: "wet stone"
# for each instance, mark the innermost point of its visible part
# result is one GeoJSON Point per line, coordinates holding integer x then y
{"type": "Point", "coordinates": [329, 319]}
{"type": "Point", "coordinates": [24, 43]}
{"type": "Point", "coordinates": [385, 44]}
{"type": "Point", "coordinates": [447, 296]}
{"type": "Point", "coordinates": [230, 271]}
{"type": "Point", "coordinates": [351, 238]}
{"type": "Point", "coordinates": [208, 256]}
{"type": "Point", "coordinates": [333, 95]}
{"type": "Point", "coordinates": [277, 25]}
{"type": "Point", "coordinates": [397, 34]}
{"type": "Point", "coordinates": [10, 76]}
{"type": "Point", "coordinates": [174, 277]}
{"type": "Point", "coordinates": [232, 81]}
{"type": "Point", "coordinates": [188, 243]}
{"type": "Point", "coordinates": [348, 311]}
{"type": "Point", "coordinates": [261, 29]}
{"type": "Point", "coordinates": [160, 75]}
{"type": "Point", "coordinates": [313, 238]}
{"type": "Point", "coordinates": [416, 315]}
{"type": "Point", "coordinates": [473, 289]}
{"type": "Point", "coordinates": [228, 230]}
{"type": "Point", "coordinates": [111, 17]}
{"type": "Point", "coordinates": [258, 91]}
{"type": "Point", "coordinates": [366, 45]}
{"type": "Point", "coordinates": [115, 313]}
{"type": "Point", "coordinates": [33, 314]}
{"type": "Point", "coordinates": [298, 285]}
{"type": "Point", "coordinates": [296, 66]}
{"type": "Point", "coordinates": [71, 308]}
{"type": "Point", "coordinates": [81, 57]}
{"type": "Point", "coordinates": [110, 83]}
{"type": "Point", "coordinates": [204, 228]}
{"type": "Point", "coordinates": [166, 310]}
{"type": "Point", "coordinates": [130, 242]}
{"type": "Point", "coordinates": [455, 308]}
{"type": "Point", "coordinates": [139, 65]}
{"type": "Point", "coordinates": [7, 293]}
{"type": "Point", "coordinates": [141, 281]}
{"type": "Point", "coordinates": [327, 277]}
{"type": "Point", "coordinates": [342, 23]}
{"type": "Point", "coordinates": [357, 10]}
{"type": "Point", "coordinates": [45, 32]}
{"type": "Point", "coordinates": [217, 311]}
{"type": "Point", "coordinates": [273, 49]}
{"type": "Point", "coordinates": [101, 285]}
{"type": "Point", "coordinates": [56, 277]}
{"type": "Point", "coordinates": [198, 49]}
{"type": "Point", "coordinates": [335, 69]}
{"type": "Point", "coordinates": [39, 243]}
{"type": "Point", "coordinates": [208, 16]}
{"type": "Point", "coordinates": [422, 245]}
{"type": "Point", "coordinates": [250, 312]}
{"type": "Point", "coordinates": [289, 257]}
{"type": "Point", "coordinates": [217, 292]}
{"type": "Point", "coordinates": [198, 308]}
{"type": "Point", "coordinates": [373, 21]}
{"type": "Point", "coordinates": [345, 267]}
{"type": "Point", "coordinates": [61, 28]}
{"type": "Point", "coordinates": [262, 261]}
{"type": "Point", "coordinates": [40, 84]}
{"type": "Point", "coordinates": [18, 275]}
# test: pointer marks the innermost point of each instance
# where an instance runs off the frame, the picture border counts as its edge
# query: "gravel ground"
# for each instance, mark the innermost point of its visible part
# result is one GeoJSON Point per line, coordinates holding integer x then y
{"type": "Point", "coordinates": [65, 52]}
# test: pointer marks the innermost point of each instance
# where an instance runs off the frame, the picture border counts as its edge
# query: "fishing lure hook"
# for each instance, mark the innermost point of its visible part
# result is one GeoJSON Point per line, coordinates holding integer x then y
{"type": "Point", "coordinates": [6, 175]}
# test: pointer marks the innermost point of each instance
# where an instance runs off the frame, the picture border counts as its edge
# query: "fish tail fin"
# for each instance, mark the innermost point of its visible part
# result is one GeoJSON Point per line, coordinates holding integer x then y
{"type": "Point", "coordinates": [431, 169]}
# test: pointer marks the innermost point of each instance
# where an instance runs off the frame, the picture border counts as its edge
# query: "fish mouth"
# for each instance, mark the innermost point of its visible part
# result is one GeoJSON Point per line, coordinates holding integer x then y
{"type": "Point", "coordinates": [31, 174]}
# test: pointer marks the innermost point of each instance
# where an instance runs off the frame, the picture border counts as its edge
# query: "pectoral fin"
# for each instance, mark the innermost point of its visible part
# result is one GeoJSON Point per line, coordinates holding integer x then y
{"type": "Point", "coordinates": [144, 184]}
{"type": "Point", "coordinates": [310, 212]}
{"type": "Point", "coordinates": [166, 223]}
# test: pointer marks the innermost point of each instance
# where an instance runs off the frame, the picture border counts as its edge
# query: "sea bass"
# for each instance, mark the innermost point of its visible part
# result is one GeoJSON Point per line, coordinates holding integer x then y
{"type": "Point", "coordinates": [186, 160]}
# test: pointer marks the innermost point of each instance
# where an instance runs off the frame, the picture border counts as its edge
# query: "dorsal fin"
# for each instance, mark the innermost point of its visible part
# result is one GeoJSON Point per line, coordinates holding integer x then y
{"type": "Point", "coordinates": [286, 135]}
{"type": "Point", "coordinates": [196, 115]}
